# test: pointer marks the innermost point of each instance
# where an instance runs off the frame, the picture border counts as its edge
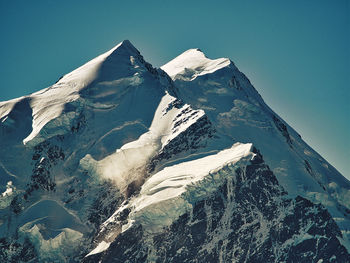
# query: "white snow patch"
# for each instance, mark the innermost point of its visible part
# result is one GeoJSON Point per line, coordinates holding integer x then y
{"type": "Point", "coordinates": [193, 63]}
{"type": "Point", "coordinates": [6, 196]}
{"type": "Point", "coordinates": [9, 189]}
{"type": "Point", "coordinates": [102, 246]}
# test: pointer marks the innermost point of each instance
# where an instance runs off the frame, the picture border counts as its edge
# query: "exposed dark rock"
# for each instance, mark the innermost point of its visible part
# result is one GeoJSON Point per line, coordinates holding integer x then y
{"type": "Point", "coordinates": [248, 219]}
{"type": "Point", "coordinates": [234, 83]}
{"type": "Point", "coordinates": [308, 167]}
{"type": "Point", "coordinates": [193, 138]}
{"type": "Point", "coordinates": [80, 122]}
{"type": "Point", "coordinates": [16, 205]}
{"type": "Point", "coordinates": [104, 204]}
{"type": "Point", "coordinates": [16, 252]}
{"type": "Point", "coordinates": [177, 104]}
{"type": "Point", "coordinates": [45, 156]}
{"type": "Point", "coordinates": [283, 129]}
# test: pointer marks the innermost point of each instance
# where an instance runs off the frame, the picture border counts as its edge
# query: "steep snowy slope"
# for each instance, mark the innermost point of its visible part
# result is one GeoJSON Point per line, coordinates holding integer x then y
{"type": "Point", "coordinates": [226, 207]}
{"type": "Point", "coordinates": [86, 144]}
{"type": "Point", "coordinates": [239, 113]}
{"type": "Point", "coordinates": [118, 162]}
{"type": "Point", "coordinates": [47, 136]}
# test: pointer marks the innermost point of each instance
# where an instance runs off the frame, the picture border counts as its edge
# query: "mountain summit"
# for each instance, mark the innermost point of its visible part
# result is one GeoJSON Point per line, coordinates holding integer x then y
{"type": "Point", "coordinates": [122, 162]}
{"type": "Point", "coordinates": [193, 63]}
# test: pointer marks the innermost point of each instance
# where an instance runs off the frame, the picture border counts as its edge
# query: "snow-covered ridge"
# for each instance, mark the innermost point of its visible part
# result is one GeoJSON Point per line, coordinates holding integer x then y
{"type": "Point", "coordinates": [236, 109]}
{"type": "Point", "coordinates": [185, 118]}
{"type": "Point", "coordinates": [99, 84]}
{"type": "Point", "coordinates": [88, 72]}
{"type": "Point", "coordinates": [172, 181]}
{"type": "Point", "coordinates": [193, 63]}
{"type": "Point", "coordinates": [133, 156]}
{"type": "Point", "coordinates": [115, 67]}
{"type": "Point", "coordinates": [172, 191]}
{"type": "Point", "coordinates": [168, 123]}
{"type": "Point", "coordinates": [117, 148]}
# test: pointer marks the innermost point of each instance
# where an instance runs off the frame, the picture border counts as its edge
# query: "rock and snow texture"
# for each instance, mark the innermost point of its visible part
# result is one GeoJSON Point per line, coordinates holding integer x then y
{"type": "Point", "coordinates": [171, 192]}
{"type": "Point", "coordinates": [238, 113]}
{"type": "Point", "coordinates": [237, 213]}
{"type": "Point", "coordinates": [137, 164]}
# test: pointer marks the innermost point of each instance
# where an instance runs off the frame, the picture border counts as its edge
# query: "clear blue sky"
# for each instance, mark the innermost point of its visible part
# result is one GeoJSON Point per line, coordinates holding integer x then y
{"type": "Point", "coordinates": [296, 53]}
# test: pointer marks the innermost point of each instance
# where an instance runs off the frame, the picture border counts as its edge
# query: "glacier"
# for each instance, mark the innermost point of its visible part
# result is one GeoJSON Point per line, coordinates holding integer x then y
{"type": "Point", "coordinates": [119, 161]}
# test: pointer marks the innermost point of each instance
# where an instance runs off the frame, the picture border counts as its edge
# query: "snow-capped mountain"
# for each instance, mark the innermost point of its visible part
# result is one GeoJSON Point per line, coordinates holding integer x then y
{"type": "Point", "coordinates": [122, 162]}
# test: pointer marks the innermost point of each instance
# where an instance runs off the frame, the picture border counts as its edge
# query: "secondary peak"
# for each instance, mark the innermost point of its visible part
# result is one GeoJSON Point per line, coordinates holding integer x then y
{"type": "Point", "coordinates": [193, 63]}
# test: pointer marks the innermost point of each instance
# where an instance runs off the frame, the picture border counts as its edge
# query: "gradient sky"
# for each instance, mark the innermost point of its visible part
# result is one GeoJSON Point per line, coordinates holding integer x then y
{"type": "Point", "coordinates": [296, 53]}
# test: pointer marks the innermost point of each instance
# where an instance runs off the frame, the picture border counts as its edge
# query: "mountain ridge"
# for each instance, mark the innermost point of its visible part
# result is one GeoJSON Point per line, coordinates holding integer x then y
{"type": "Point", "coordinates": [104, 132]}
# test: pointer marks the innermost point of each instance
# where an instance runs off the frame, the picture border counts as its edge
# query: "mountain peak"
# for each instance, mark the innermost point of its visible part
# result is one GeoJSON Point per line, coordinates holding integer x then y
{"type": "Point", "coordinates": [193, 63]}
{"type": "Point", "coordinates": [126, 42]}
{"type": "Point", "coordinates": [118, 55]}
{"type": "Point", "coordinates": [125, 45]}
{"type": "Point", "coordinates": [120, 159]}
{"type": "Point", "coordinates": [100, 82]}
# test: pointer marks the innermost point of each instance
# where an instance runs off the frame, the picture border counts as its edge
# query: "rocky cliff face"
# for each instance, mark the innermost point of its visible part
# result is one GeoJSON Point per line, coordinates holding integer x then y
{"type": "Point", "coordinates": [248, 218]}
{"type": "Point", "coordinates": [122, 162]}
